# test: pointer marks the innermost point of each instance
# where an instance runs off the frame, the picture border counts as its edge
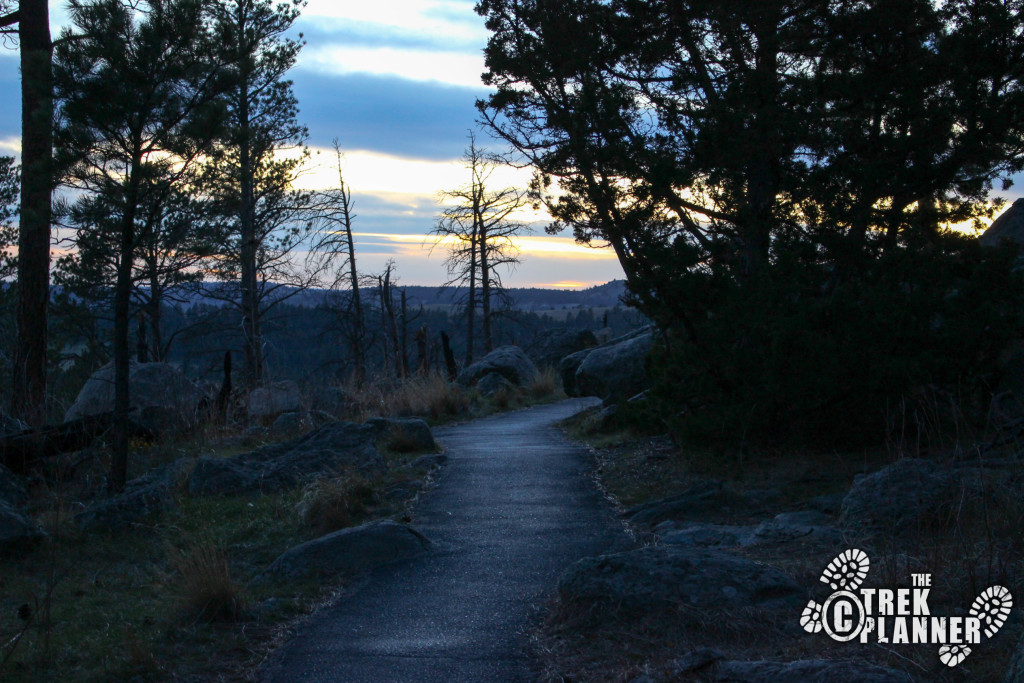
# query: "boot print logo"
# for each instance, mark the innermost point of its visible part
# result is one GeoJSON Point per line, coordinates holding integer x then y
{"type": "Point", "coordinates": [900, 616]}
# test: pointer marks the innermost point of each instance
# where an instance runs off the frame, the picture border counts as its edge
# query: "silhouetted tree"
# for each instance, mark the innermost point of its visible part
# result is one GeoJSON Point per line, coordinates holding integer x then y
{"type": "Point", "coordinates": [477, 229]}
{"type": "Point", "coordinates": [266, 218]}
{"type": "Point", "coordinates": [153, 69]}
{"type": "Point", "coordinates": [28, 398]}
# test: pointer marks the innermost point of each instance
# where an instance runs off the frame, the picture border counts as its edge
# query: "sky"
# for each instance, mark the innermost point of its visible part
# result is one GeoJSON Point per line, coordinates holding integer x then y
{"type": "Point", "coordinates": [395, 81]}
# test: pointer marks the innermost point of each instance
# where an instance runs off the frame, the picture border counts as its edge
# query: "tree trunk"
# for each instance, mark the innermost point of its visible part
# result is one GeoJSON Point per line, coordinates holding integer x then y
{"type": "Point", "coordinates": [253, 341]}
{"type": "Point", "coordinates": [28, 398]}
{"type": "Point", "coordinates": [358, 325]}
{"type": "Point", "coordinates": [449, 357]}
{"type": "Point", "coordinates": [141, 345]}
{"type": "Point", "coordinates": [423, 362]}
{"type": "Point", "coordinates": [122, 352]}
{"type": "Point", "coordinates": [404, 317]}
{"type": "Point", "coordinates": [485, 291]}
{"type": "Point", "coordinates": [224, 395]}
{"type": "Point", "coordinates": [471, 298]}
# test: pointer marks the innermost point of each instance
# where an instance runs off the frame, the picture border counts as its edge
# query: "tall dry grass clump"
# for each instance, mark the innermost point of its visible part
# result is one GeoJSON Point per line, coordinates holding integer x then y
{"type": "Point", "coordinates": [208, 591]}
{"type": "Point", "coordinates": [431, 395]}
{"type": "Point", "coordinates": [331, 504]}
{"type": "Point", "coordinates": [546, 383]}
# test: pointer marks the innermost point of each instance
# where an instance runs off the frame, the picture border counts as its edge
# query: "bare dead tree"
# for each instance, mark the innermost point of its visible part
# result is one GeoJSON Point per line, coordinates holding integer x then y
{"type": "Point", "coordinates": [335, 247]}
{"type": "Point", "coordinates": [477, 228]}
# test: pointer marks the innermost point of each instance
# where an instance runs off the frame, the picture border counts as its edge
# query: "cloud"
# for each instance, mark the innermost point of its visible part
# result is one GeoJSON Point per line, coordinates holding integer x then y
{"type": "Point", "coordinates": [546, 261]}
{"type": "Point", "coordinates": [423, 40]}
{"type": "Point", "coordinates": [319, 32]}
{"type": "Point", "coordinates": [386, 114]}
{"type": "Point", "coordinates": [453, 18]}
{"type": "Point", "coordinates": [452, 68]}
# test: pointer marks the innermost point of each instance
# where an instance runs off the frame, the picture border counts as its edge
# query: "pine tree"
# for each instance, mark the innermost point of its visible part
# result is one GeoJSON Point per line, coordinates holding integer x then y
{"type": "Point", "coordinates": [153, 69]}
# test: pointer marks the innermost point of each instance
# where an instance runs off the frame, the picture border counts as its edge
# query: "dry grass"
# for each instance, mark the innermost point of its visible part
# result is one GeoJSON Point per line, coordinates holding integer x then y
{"type": "Point", "coordinates": [431, 396]}
{"type": "Point", "coordinates": [331, 504]}
{"type": "Point", "coordinates": [545, 384]}
{"type": "Point", "coordinates": [208, 592]}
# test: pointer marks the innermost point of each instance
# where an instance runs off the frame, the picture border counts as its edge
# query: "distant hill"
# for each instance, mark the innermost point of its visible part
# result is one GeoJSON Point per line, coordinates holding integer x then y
{"type": "Point", "coordinates": [607, 295]}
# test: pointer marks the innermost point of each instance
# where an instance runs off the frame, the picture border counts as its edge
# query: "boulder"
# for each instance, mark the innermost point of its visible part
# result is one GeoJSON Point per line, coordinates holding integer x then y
{"type": "Point", "coordinates": [349, 551]}
{"type": "Point", "coordinates": [807, 671]}
{"type": "Point", "coordinates": [273, 399]}
{"type": "Point", "coordinates": [403, 434]}
{"type": "Point", "coordinates": [16, 528]}
{"type": "Point", "coordinates": [508, 361]}
{"type": "Point", "coordinates": [567, 368]}
{"type": "Point", "coordinates": [665, 576]}
{"type": "Point", "coordinates": [288, 424]}
{"type": "Point", "coordinates": [615, 371]}
{"type": "Point", "coordinates": [149, 494]}
{"type": "Point", "coordinates": [1007, 227]}
{"type": "Point", "coordinates": [161, 396]}
{"type": "Point", "coordinates": [806, 525]}
{"type": "Point", "coordinates": [324, 452]}
{"type": "Point", "coordinates": [903, 497]}
{"type": "Point", "coordinates": [698, 535]}
{"type": "Point", "coordinates": [700, 499]}
{"type": "Point", "coordinates": [551, 346]}
{"type": "Point", "coordinates": [492, 383]}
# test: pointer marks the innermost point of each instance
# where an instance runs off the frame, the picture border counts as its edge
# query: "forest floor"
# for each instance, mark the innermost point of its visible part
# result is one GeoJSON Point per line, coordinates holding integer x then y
{"type": "Point", "coordinates": [134, 604]}
{"type": "Point", "coordinates": [963, 557]}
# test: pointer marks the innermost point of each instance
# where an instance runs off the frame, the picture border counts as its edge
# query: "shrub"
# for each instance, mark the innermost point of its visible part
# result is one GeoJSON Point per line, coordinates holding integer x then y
{"type": "Point", "coordinates": [810, 357]}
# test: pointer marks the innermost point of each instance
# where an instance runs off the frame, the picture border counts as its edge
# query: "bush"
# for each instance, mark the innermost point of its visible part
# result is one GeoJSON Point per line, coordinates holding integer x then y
{"type": "Point", "coordinates": [808, 356]}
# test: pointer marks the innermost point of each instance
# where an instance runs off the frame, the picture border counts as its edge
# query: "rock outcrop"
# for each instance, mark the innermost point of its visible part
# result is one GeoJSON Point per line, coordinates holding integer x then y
{"type": "Point", "coordinates": [1009, 226]}
{"type": "Point", "coordinates": [149, 494]}
{"type": "Point", "coordinates": [349, 551]}
{"type": "Point", "coordinates": [324, 452]}
{"type": "Point", "coordinates": [551, 346]}
{"type": "Point", "coordinates": [904, 497]}
{"type": "Point", "coordinates": [567, 368]}
{"type": "Point", "coordinates": [702, 498]}
{"type": "Point", "coordinates": [663, 576]}
{"type": "Point", "coordinates": [161, 396]}
{"type": "Point", "coordinates": [271, 400]}
{"type": "Point", "coordinates": [492, 383]}
{"type": "Point", "coordinates": [615, 371]}
{"type": "Point", "coordinates": [508, 361]}
{"type": "Point", "coordinates": [403, 434]}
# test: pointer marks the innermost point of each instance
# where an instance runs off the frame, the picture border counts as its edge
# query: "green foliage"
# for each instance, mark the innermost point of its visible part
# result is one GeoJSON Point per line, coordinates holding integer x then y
{"type": "Point", "coordinates": [804, 357]}
{"type": "Point", "coordinates": [773, 177]}
{"type": "Point", "coordinates": [10, 186]}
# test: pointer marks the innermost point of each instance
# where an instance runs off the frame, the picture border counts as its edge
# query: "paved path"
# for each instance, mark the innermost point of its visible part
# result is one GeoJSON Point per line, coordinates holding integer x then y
{"type": "Point", "coordinates": [513, 507]}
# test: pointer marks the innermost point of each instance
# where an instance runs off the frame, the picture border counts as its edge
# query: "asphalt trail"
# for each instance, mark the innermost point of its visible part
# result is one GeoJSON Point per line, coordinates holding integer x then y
{"type": "Point", "coordinates": [512, 508]}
